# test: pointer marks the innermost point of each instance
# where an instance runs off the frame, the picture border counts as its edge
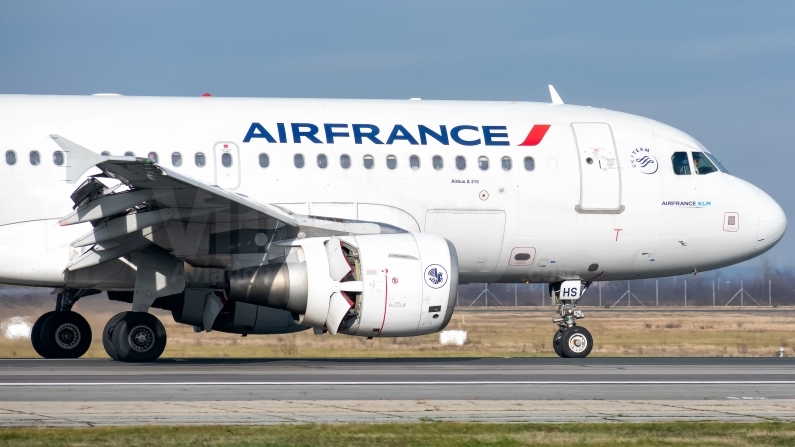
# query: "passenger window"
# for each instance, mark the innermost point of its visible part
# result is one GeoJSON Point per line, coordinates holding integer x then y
{"type": "Point", "coordinates": [414, 162]}
{"type": "Point", "coordinates": [702, 164]}
{"type": "Point", "coordinates": [438, 163]}
{"type": "Point", "coordinates": [105, 153]}
{"type": "Point", "coordinates": [176, 159]}
{"type": "Point", "coordinates": [483, 163]}
{"type": "Point", "coordinates": [460, 163]}
{"type": "Point", "coordinates": [11, 157]}
{"type": "Point", "coordinates": [200, 159]}
{"type": "Point", "coordinates": [322, 161]}
{"type": "Point", "coordinates": [345, 161]}
{"type": "Point", "coordinates": [368, 162]}
{"type": "Point", "coordinates": [506, 163]}
{"type": "Point", "coordinates": [226, 159]}
{"type": "Point", "coordinates": [57, 158]}
{"type": "Point", "coordinates": [391, 161]}
{"type": "Point", "coordinates": [298, 161]}
{"type": "Point", "coordinates": [680, 163]}
{"type": "Point", "coordinates": [35, 158]}
{"type": "Point", "coordinates": [529, 164]}
{"type": "Point", "coordinates": [264, 161]}
{"type": "Point", "coordinates": [152, 156]}
{"type": "Point", "coordinates": [129, 154]}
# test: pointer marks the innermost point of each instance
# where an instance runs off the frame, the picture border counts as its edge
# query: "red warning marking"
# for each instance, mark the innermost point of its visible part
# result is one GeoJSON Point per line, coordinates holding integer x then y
{"type": "Point", "coordinates": [394, 280]}
{"type": "Point", "coordinates": [206, 95]}
{"type": "Point", "coordinates": [618, 230]}
{"type": "Point", "coordinates": [536, 135]}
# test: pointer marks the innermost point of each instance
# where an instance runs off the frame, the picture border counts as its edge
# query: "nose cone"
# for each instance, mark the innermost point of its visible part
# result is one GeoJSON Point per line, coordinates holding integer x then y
{"type": "Point", "coordinates": [772, 221]}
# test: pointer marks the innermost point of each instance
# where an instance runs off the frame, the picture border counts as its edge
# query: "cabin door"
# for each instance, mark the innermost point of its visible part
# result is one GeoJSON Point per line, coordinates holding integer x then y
{"type": "Point", "coordinates": [600, 177]}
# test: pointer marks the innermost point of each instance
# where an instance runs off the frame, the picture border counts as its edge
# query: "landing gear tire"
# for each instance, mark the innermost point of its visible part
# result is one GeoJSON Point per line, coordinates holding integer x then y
{"type": "Point", "coordinates": [62, 335]}
{"type": "Point", "coordinates": [35, 334]}
{"type": "Point", "coordinates": [556, 342]}
{"type": "Point", "coordinates": [107, 334]}
{"type": "Point", "coordinates": [138, 337]}
{"type": "Point", "coordinates": [576, 342]}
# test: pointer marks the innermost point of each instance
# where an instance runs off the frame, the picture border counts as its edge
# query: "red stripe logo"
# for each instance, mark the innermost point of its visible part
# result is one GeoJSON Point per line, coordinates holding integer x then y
{"type": "Point", "coordinates": [536, 135]}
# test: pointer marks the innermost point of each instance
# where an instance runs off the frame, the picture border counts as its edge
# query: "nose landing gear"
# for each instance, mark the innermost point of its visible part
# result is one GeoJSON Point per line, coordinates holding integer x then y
{"type": "Point", "coordinates": [570, 341]}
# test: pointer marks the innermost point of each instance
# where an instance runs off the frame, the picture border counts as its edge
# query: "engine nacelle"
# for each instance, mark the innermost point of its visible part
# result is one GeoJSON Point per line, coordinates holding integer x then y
{"type": "Point", "coordinates": [391, 285]}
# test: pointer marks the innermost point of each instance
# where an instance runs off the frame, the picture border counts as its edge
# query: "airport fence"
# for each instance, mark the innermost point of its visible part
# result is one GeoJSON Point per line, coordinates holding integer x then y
{"type": "Point", "coordinates": [676, 291]}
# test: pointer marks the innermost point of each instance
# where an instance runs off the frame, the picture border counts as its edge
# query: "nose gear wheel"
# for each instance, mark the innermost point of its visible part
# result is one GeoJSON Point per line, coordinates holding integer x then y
{"type": "Point", "coordinates": [575, 342]}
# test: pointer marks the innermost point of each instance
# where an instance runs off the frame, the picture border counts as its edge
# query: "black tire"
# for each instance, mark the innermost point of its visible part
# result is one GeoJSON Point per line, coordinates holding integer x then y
{"type": "Point", "coordinates": [139, 337]}
{"type": "Point", "coordinates": [576, 342]}
{"type": "Point", "coordinates": [65, 335]}
{"type": "Point", "coordinates": [107, 334]}
{"type": "Point", "coordinates": [35, 334]}
{"type": "Point", "coordinates": [556, 342]}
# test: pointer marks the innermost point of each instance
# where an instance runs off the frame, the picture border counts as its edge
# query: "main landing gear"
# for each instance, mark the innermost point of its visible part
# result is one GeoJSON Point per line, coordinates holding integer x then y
{"type": "Point", "coordinates": [570, 341]}
{"type": "Point", "coordinates": [128, 336]}
{"type": "Point", "coordinates": [134, 337]}
{"type": "Point", "coordinates": [62, 334]}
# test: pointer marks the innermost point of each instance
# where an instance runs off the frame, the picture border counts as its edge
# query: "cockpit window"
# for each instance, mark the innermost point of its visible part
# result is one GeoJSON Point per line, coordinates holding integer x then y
{"type": "Point", "coordinates": [716, 162]}
{"type": "Point", "coordinates": [681, 164]}
{"type": "Point", "coordinates": [702, 164]}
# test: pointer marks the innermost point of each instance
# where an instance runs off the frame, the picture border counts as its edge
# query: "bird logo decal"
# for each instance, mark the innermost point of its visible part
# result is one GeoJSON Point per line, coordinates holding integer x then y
{"type": "Point", "coordinates": [435, 276]}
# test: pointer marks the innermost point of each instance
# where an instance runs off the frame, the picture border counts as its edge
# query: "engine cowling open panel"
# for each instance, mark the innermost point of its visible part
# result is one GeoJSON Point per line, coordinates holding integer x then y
{"type": "Point", "coordinates": [392, 297]}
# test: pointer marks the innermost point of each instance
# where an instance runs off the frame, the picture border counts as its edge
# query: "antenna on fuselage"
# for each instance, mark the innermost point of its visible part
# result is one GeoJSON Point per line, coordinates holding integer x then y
{"type": "Point", "coordinates": [554, 94]}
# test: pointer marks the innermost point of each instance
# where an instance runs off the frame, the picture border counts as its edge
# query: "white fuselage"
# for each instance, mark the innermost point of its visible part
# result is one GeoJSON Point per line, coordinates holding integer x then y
{"type": "Point", "coordinates": [591, 207]}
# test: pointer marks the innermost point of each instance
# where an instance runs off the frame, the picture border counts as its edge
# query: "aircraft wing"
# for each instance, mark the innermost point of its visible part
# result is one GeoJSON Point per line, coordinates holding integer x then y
{"type": "Point", "coordinates": [170, 189]}
{"type": "Point", "coordinates": [156, 194]}
{"type": "Point", "coordinates": [176, 191]}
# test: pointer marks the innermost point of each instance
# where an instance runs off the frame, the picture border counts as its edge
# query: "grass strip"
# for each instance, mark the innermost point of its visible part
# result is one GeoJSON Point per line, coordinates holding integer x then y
{"type": "Point", "coordinates": [429, 434]}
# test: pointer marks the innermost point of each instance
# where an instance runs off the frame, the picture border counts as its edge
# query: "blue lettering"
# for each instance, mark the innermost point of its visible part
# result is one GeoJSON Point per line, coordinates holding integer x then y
{"type": "Point", "coordinates": [400, 133]}
{"type": "Point", "coordinates": [298, 133]}
{"type": "Point", "coordinates": [282, 132]}
{"type": "Point", "coordinates": [488, 135]}
{"type": "Point", "coordinates": [441, 137]}
{"type": "Point", "coordinates": [454, 134]}
{"type": "Point", "coordinates": [257, 131]}
{"type": "Point", "coordinates": [358, 133]}
{"type": "Point", "coordinates": [330, 134]}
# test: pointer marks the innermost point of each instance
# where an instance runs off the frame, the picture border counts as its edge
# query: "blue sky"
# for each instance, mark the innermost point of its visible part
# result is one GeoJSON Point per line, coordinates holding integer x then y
{"type": "Point", "coordinates": [721, 71]}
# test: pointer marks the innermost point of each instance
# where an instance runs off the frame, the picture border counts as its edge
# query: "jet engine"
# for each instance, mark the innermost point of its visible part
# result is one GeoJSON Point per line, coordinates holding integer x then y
{"type": "Point", "coordinates": [394, 285]}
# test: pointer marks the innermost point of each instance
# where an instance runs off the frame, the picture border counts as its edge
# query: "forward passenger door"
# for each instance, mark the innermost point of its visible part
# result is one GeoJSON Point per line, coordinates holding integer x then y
{"type": "Point", "coordinates": [600, 177]}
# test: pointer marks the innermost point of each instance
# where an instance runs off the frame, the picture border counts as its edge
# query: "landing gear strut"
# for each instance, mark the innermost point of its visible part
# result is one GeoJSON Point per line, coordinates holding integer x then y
{"type": "Point", "coordinates": [570, 341]}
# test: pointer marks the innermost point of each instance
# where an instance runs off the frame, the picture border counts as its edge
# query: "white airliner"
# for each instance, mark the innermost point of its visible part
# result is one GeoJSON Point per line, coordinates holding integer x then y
{"type": "Point", "coordinates": [360, 217]}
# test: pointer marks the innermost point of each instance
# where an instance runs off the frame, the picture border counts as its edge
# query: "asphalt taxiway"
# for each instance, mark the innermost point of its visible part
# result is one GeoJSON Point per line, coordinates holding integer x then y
{"type": "Point", "coordinates": [100, 392]}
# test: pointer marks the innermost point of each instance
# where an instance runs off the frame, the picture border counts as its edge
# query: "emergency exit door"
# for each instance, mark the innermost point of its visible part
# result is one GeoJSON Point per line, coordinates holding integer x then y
{"type": "Point", "coordinates": [600, 177]}
{"type": "Point", "coordinates": [227, 165]}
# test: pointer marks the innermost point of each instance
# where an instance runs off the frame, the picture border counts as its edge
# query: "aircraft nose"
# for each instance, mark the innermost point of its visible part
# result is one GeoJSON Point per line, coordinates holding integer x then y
{"type": "Point", "coordinates": [772, 221]}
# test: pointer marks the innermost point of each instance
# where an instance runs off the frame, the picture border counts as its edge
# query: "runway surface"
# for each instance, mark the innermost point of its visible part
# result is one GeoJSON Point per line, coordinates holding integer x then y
{"type": "Point", "coordinates": [97, 391]}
